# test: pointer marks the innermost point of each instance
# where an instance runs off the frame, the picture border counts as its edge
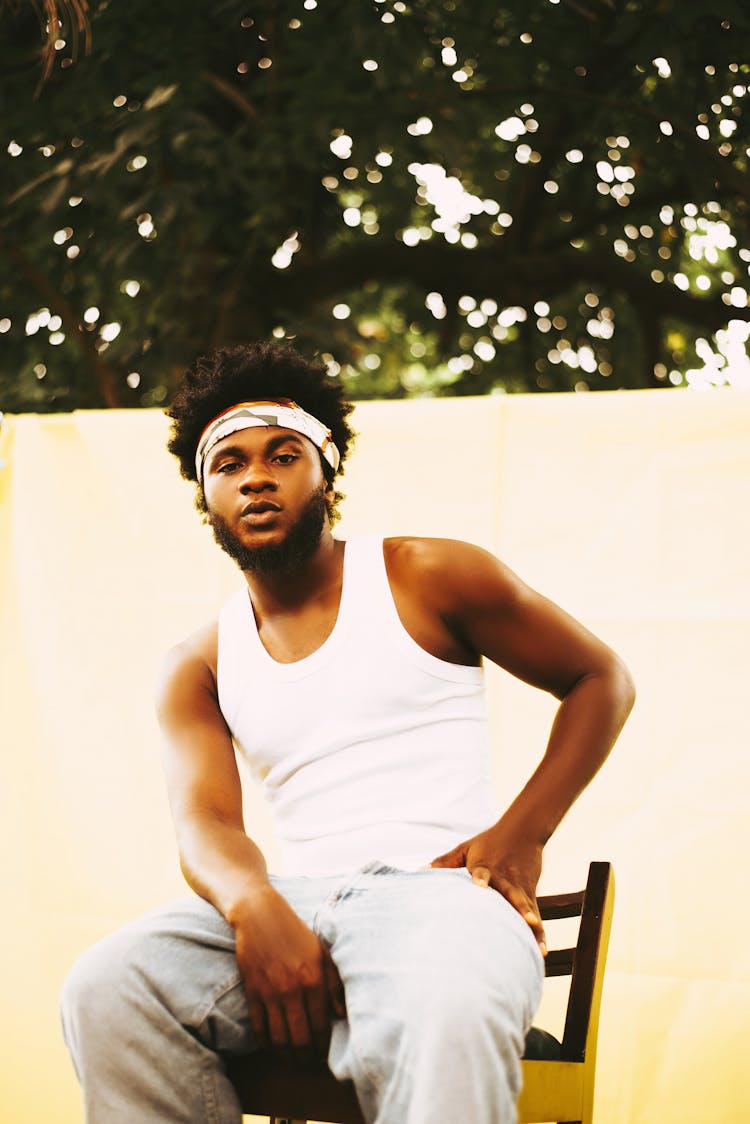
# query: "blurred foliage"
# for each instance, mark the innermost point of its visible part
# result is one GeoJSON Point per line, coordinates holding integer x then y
{"type": "Point", "coordinates": [171, 186]}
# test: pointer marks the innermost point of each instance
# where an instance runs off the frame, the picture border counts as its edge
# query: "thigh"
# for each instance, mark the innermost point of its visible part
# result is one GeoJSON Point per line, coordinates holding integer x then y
{"type": "Point", "coordinates": [405, 940]}
{"type": "Point", "coordinates": [187, 950]}
{"type": "Point", "coordinates": [308, 896]}
{"type": "Point", "coordinates": [174, 966]}
{"type": "Point", "coordinates": [442, 978]}
{"type": "Point", "coordinates": [182, 954]}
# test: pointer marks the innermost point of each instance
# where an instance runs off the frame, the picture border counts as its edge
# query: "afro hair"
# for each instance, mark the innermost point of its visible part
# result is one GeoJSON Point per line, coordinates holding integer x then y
{"type": "Point", "coordinates": [249, 372]}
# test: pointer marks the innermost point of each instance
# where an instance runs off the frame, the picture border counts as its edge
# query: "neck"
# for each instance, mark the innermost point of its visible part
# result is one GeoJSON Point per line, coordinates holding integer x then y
{"type": "Point", "coordinates": [299, 584]}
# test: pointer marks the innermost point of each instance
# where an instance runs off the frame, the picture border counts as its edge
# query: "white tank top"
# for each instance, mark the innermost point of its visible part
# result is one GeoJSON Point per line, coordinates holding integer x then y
{"type": "Point", "coordinates": [370, 747]}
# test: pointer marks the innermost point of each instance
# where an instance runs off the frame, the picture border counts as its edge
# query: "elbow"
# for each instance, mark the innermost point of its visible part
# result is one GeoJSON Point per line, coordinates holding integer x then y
{"type": "Point", "coordinates": [624, 685]}
{"type": "Point", "coordinates": [614, 684]}
{"type": "Point", "coordinates": [186, 869]}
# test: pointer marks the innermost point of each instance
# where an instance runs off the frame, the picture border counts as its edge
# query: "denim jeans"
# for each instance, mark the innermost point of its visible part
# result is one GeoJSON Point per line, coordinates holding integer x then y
{"type": "Point", "coordinates": [442, 978]}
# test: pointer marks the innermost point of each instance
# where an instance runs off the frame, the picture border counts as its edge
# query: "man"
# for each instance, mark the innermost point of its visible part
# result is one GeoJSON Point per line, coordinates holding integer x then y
{"type": "Point", "coordinates": [403, 939]}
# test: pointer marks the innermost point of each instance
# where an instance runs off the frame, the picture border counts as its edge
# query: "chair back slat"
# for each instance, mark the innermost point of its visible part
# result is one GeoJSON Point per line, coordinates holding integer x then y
{"type": "Point", "coordinates": [559, 962]}
{"type": "Point", "coordinates": [554, 906]}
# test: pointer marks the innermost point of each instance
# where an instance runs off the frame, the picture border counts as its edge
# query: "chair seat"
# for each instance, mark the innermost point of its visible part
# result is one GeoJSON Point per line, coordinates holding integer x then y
{"type": "Point", "coordinates": [272, 1083]}
{"type": "Point", "coordinates": [269, 1085]}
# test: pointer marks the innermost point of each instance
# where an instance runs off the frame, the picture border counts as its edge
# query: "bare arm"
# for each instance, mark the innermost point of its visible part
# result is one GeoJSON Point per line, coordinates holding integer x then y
{"type": "Point", "coordinates": [290, 980]}
{"type": "Point", "coordinates": [219, 861]}
{"type": "Point", "coordinates": [493, 613]}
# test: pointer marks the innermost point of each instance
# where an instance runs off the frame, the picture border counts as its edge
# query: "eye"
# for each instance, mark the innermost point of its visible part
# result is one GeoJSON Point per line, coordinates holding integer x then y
{"type": "Point", "coordinates": [285, 458]}
{"type": "Point", "coordinates": [228, 466]}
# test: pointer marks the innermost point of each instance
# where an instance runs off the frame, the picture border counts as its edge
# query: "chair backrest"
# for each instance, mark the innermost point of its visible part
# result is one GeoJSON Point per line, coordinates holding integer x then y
{"type": "Point", "coordinates": [584, 963]}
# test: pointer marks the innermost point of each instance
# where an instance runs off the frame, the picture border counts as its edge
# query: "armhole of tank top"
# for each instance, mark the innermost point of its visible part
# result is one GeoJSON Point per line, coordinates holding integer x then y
{"type": "Point", "coordinates": [383, 605]}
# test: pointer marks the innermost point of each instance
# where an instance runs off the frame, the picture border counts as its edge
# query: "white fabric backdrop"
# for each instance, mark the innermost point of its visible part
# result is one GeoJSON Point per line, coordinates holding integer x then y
{"type": "Point", "coordinates": [631, 509]}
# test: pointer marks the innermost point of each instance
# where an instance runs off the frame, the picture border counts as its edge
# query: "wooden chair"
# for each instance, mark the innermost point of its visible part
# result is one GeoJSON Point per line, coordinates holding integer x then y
{"type": "Point", "coordinates": [558, 1078]}
{"type": "Point", "coordinates": [563, 1089]}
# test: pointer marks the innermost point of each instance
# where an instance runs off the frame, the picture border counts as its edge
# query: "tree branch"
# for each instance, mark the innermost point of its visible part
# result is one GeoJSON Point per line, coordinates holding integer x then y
{"type": "Point", "coordinates": [102, 372]}
{"type": "Point", "coordinates": [511, 279]}
{"type": "Point", "coordinates": [228, 91]}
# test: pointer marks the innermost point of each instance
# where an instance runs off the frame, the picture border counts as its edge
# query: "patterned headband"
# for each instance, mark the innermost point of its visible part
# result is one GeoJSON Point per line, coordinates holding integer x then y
{"type": "Point", "coordinates": [282, 412]}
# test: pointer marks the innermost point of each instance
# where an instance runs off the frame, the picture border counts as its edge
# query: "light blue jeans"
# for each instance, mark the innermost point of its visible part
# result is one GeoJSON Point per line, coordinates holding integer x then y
{"type": "Point", "coordinates": [442, 978]}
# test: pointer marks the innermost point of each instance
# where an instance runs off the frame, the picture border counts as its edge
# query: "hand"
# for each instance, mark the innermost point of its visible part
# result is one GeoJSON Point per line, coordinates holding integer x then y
{"type": "Point", "coordinates": [510, 866]}
{"type": "Point", "coordinates": [292, 985]}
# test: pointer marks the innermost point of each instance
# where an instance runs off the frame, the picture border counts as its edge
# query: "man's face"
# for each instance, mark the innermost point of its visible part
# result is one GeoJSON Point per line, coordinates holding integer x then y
{"type": "Point", "coordinates": [267, 498]}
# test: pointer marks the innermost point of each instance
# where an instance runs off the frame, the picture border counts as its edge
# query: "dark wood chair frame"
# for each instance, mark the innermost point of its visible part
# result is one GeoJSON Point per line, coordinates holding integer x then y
{"type": "Point", "coordinates": [559, 1089]}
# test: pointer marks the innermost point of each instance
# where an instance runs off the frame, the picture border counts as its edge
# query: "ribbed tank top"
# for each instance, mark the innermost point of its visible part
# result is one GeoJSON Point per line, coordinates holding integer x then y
{"type": "Point", "coordinates": [370, 747]}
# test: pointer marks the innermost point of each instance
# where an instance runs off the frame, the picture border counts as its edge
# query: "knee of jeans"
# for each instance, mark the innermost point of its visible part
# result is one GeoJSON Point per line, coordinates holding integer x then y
{"type": "Point", "coordinates": [93, 990]}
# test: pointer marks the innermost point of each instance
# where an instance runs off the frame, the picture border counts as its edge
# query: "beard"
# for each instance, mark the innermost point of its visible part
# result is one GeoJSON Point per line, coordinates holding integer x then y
{"type": "Point", "coordinates": [296, 548]}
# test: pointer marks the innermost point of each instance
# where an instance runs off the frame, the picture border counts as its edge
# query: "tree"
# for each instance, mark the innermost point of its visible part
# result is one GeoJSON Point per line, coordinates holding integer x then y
{"type": "Point", "coordinates": [437, 196]}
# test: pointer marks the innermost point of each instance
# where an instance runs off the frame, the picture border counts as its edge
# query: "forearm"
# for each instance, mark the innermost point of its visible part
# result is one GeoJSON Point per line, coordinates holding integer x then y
{"type": "Point", "coordinates": [290, 980]}
{"type": "Point", "coordinates": [221, 863]}
{"type": "Point", "coordinates": [585, 728]}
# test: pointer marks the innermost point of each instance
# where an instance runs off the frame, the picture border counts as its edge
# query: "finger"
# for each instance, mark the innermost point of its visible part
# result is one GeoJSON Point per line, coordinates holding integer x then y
{"type": "Point", "coordinates": [537, 927]}
{"type": "Point", "coordinates": [317, 1006]}
{"type": "Point", "coordinates": [452, 858]}
{"type": "Point", "coordinates": [528, 909]}
{"type": "Point", "coordinates": [481, 875]}
{"type": "Point", "coordinates": [517, 897]}
{"type": "Point", "coordinates": [334, 986]}
{"type": "Point", "coordinates": [258, 1022]}
{"type": "Point", "coordinates": [278, 1033]}
{"type": "Point", "coordinates": [297, 1022]}
{"type": "Point", "coordinates": [534, 921]}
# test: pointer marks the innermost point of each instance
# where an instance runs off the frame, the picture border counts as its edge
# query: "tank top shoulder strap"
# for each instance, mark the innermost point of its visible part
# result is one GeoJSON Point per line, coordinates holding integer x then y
{"type": "Point", "coordinates": [367, 592]}
{"type": "Point", "coordinates": [238, 641]}
{"type": "Point", "coordinates": [370, 605]}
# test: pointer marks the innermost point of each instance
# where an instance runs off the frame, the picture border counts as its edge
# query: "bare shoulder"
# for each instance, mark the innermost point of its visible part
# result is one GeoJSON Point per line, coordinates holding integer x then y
{"type": "Point", "coordinates": [496, 614]}
{"type": "Point", "coordinates": [190, 667]}
{"type": "Point", "coordinates": [432, 555]}
{"type": "Point", "coordinates": [450, 572]}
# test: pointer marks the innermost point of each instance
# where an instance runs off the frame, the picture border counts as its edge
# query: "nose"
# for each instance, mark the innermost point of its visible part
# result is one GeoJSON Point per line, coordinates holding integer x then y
{"type": "Point", "coordinates": [257, 477]}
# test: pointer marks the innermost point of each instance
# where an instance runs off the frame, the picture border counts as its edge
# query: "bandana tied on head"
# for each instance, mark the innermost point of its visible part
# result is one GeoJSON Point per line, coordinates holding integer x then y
{"type": "Point", "coordinates": [282, 412]}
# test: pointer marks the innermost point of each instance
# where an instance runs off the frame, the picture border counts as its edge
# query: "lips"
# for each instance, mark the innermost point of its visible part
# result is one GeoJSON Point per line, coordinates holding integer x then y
{"type": "Point", "coordinates": [259, 507]}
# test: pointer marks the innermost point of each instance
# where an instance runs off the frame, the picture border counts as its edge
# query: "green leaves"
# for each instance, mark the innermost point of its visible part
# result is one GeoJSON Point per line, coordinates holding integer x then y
{"type": "Point", "coordinates": [202, 155]}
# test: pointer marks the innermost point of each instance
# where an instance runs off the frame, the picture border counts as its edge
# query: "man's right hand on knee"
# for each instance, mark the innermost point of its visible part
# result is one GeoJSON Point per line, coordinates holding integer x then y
{"type": "Point", "coordinates": [293, 987]}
